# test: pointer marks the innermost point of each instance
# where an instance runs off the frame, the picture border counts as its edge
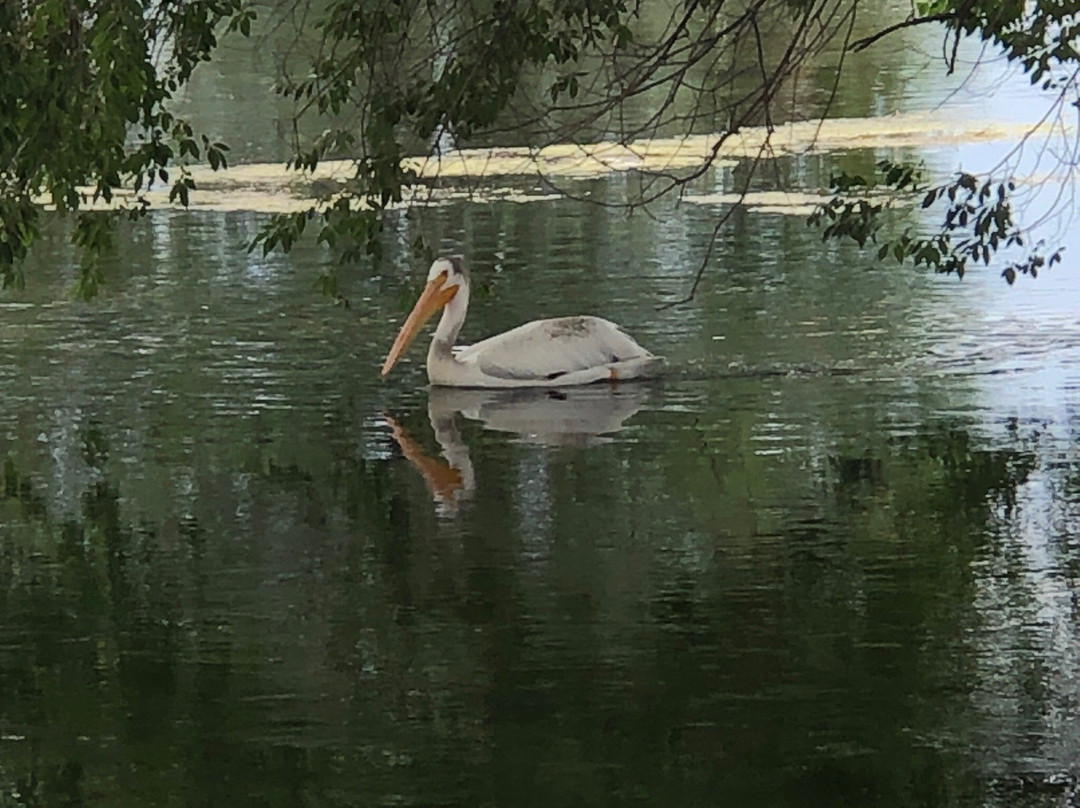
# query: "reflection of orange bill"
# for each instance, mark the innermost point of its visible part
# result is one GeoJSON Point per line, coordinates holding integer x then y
{"type": "Point", "coordinates": [441, 479]}
{"type": "Point", "coordinates": [433, 298]}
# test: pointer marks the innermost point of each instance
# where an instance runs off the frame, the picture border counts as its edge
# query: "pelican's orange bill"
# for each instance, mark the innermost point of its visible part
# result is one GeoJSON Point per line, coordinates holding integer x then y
{"type": "Point", "coordinates": [433, 298]}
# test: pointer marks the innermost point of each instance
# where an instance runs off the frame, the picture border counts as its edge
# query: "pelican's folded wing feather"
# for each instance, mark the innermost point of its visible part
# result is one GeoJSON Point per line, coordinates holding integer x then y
{"type": "Point", "coordinates": [548, 349]}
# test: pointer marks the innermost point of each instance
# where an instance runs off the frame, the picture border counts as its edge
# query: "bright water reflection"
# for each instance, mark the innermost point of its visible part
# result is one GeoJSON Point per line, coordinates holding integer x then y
{"type": "Point", "coordinates": [576, 416]}
{"type": "Point", "coordinates": [829, 559]}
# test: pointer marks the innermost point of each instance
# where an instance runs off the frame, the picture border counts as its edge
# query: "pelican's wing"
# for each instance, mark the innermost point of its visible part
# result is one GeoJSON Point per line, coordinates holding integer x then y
{"type": "Point", "coordinates": [548, 349]}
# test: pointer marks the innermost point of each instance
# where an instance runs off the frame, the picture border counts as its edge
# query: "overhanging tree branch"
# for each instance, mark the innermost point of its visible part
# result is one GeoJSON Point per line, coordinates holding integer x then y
{"type": "Point", "coordinates": [867, 41]}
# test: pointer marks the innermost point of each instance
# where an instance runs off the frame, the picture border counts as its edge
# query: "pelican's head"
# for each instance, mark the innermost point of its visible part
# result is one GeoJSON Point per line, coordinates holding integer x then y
{"type": "Point", "coordinates": [446, 278]}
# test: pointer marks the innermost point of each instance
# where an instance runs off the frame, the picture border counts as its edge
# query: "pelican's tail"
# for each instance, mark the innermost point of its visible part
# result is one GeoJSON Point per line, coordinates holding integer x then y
{"type": "Point", "coordinates": [639, 367]}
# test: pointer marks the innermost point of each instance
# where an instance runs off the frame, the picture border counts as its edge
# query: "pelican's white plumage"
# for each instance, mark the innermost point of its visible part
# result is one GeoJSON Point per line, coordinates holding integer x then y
{"type": "Point", "coordinates": [544, 353]}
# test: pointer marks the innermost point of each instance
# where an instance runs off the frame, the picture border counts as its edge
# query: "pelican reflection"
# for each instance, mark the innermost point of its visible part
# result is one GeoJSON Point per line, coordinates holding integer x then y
{"type": "Point", "coordinates": [574, 416]}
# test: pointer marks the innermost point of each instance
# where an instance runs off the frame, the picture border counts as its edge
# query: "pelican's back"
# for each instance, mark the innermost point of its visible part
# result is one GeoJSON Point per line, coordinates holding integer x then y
{"type": "Point", "coordinates": [559, 351]}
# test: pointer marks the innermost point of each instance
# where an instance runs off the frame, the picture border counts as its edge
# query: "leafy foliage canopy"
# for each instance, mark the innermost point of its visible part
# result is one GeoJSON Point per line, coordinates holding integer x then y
{"type": "Point", "coordinates": [85, 103]}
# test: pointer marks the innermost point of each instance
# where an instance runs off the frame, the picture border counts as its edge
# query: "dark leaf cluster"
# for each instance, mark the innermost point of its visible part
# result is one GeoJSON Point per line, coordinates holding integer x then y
{"type": "Point", "coordinates": [977, 221]}
{"type": "Point", "coordinates": [84, 114]}
{"type": "Point", "coordinates": [377, 61]}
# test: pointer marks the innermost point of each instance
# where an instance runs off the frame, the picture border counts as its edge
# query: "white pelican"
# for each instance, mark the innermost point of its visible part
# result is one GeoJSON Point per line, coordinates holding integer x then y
{"type": "Point", "coordinates": [544, 353]}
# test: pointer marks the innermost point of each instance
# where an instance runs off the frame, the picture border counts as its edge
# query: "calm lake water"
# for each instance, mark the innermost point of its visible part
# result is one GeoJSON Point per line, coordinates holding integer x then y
{"type": "Point", "coordinates": [830, 559]}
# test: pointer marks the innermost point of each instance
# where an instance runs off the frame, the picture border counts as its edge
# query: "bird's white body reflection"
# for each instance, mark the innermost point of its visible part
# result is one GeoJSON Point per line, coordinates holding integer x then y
{"type": "Point", "coordinates": [575, 416]}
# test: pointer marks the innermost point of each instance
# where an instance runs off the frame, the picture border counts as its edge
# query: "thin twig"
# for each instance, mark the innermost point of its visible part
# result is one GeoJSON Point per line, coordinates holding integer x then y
{"type": "Point", "coordinates": [866, 42]}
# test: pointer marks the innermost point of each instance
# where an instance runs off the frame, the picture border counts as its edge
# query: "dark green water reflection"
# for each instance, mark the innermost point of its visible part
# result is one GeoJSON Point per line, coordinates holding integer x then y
{"type": "Point", "coordinates": [828, 560]}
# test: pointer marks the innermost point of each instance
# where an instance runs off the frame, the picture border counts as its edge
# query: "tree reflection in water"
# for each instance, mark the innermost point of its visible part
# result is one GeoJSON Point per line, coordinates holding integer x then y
{"type": "Point", "coordinates": [339, 643]}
